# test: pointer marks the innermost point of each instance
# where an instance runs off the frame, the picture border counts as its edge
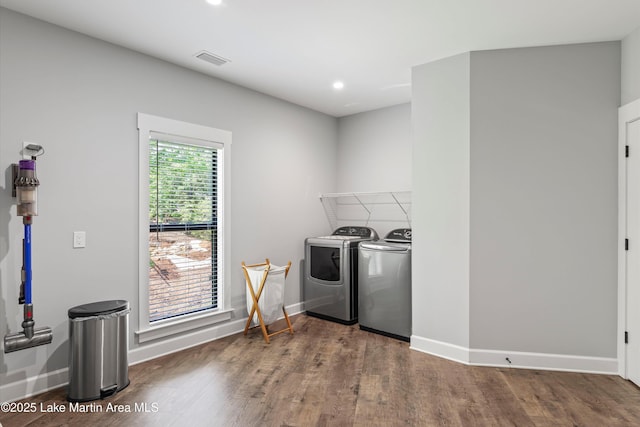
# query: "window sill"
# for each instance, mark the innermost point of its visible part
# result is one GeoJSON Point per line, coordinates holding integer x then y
{"type": "Point", "coordinates": [165, 328]}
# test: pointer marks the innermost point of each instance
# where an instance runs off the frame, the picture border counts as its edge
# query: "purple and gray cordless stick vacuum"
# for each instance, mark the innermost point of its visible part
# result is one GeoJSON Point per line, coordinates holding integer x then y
{"type": "Point", "coordinates": [26, 184]}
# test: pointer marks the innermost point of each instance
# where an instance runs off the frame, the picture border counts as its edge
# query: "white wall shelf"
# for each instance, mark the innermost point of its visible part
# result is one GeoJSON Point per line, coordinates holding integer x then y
{"type": "Point", "coordinates": [368, 209]}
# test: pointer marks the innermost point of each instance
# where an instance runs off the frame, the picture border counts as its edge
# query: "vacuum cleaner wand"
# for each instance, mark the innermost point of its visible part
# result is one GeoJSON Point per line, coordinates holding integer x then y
{"type": "Point", "coordinates": [26, 184]}
{"type": "Point", "coordinates": [27, 323]}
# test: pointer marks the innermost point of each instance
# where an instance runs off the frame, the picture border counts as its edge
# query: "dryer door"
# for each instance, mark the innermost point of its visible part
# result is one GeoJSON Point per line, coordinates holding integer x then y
{"type": "Point", "coordinates": [328, 287]}
{"type": "Point", "coordinates": [324, 264]}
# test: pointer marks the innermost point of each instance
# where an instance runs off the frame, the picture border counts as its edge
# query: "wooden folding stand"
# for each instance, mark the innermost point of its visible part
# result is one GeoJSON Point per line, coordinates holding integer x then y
{"type": "Point", "coordinates": [255, 297]}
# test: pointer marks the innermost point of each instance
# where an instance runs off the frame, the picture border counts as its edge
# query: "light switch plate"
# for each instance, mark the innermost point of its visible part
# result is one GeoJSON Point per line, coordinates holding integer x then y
{"type": "Point", "coordinates": [79, 239]}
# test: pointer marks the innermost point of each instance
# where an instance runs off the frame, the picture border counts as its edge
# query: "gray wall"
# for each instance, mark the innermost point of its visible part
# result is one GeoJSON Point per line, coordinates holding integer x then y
{"type": "Point", "coordinates": [631, 67]}
{"type": "Point", "coordinates": [79, 97]}
{"type": "Point", "coordinates": [544, 199]}
{"type": "Point", "coordinates": [515, 199]}
{"type": "Point", "coordinates": [440, 271]}
{"type": "Point", "coordinates": [374, 153]}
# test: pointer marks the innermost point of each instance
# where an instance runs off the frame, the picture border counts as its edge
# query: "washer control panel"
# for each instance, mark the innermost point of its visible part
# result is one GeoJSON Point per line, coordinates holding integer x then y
{"type": "Point", "coordinates": [401, 235]}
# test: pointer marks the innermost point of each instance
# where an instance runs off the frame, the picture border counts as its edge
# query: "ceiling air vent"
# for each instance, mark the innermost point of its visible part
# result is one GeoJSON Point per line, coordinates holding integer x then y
{"type": "Point", "coordinates": [211, 58]}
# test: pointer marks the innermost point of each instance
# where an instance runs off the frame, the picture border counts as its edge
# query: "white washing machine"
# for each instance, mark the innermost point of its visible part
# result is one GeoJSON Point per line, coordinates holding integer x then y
{"type": "Point", "coordinates": [384, 285]}
{"type": "Point", "coordinates": [330, 282]}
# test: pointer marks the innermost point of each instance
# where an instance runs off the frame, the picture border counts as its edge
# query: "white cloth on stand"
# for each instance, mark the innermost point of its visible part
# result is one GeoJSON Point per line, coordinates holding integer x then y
{"type": "Point", "coordinates": [272, 299]}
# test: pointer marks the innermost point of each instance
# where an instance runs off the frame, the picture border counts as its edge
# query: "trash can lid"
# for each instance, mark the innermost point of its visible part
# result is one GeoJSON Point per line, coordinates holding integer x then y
{"type": "Point", "coordinates": [98, 308]}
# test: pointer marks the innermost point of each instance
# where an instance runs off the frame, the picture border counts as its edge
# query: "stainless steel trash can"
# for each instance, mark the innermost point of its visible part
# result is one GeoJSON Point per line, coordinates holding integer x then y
{"type": "Point", "coordinates": [98, 341]}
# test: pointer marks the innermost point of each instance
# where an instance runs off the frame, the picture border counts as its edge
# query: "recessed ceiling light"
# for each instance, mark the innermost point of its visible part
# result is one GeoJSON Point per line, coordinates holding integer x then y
{"type": "Point", "coordinates": [215, 2]}
{"type": "Point", "coordinates": [338, 85]}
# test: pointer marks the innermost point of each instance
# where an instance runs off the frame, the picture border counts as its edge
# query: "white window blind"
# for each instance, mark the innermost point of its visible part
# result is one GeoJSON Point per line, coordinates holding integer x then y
{"type": "Point", "coordinates": [183, 237]}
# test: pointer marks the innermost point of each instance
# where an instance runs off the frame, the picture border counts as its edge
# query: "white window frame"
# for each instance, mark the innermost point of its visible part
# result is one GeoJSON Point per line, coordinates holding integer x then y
{"type": "Point", "coordinates": [149, 125]}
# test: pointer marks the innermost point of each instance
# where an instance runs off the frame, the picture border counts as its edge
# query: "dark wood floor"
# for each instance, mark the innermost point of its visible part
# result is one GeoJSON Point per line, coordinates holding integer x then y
{"type": "Point", "coordinates": [333, 375]}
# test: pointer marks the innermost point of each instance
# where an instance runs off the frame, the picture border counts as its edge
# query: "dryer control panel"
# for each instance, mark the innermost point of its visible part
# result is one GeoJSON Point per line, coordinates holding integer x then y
{"type": "Point", "coordinates": [363, 232]}
{"type": "Point", "coordinates": [400, 235]}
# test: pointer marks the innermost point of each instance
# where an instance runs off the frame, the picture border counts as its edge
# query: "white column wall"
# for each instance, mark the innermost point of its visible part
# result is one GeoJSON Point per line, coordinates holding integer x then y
{"type": "Point", "coordinates": [441, 191]}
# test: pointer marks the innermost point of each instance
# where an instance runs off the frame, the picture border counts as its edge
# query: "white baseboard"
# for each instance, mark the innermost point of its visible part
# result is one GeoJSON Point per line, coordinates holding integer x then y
{"type": "Point", "coordinates": [516, 359]}
{"type": "Point", "coordinates": [39, 384]}
{"type": "Point", "coordinates": [187, 340]}
{"type": "Point", "coordinates": [295, 309]}
{"type": "Point", "coordinates": [545, 361]}
{"type": "Point", "coordinates": [183, 341]}
{"type": "Point", "coordinates": [34, 385]}
{"type": "Point", "coordinates": [440, 349]}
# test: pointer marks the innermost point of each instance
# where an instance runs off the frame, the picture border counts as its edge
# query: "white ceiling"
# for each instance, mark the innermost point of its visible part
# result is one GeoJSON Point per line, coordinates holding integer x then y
{"type": "Point", "coordinates": [295, 49]}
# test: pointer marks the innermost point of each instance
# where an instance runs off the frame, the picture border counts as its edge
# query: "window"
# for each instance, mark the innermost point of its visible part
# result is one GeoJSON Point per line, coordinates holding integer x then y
{"type": "Point", "coordinates": [183, 267]}
{"type": "Point", "coordinates": [182, 226]}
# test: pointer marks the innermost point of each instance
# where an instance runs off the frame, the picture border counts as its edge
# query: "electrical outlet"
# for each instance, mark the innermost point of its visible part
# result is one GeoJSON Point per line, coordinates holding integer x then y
{"type": "Point", "coordinates": [79, 239]}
